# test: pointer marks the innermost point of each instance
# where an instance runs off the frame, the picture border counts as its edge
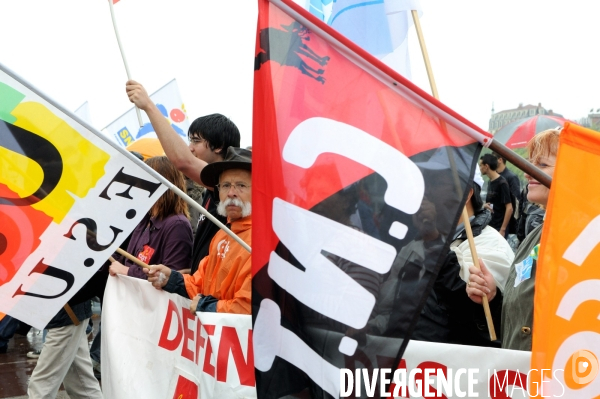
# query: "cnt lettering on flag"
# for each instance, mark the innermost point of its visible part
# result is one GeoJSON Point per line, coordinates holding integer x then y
{"type": "Point", "coordinates": [359, 179]}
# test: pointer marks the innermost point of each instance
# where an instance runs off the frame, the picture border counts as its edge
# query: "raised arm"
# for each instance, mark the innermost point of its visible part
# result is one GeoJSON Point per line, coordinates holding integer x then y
{"type": "Point", "coordinates": [175, 148]}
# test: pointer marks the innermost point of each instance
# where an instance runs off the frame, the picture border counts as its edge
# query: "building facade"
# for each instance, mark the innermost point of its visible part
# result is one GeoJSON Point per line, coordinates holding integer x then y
{"type": "Point", "coordinates": [503, 118]}
{"type": "Point", "coordinates": [592, 120]}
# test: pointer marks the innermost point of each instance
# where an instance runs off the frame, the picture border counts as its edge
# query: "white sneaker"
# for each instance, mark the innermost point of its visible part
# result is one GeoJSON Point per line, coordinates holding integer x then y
{"type": "Point", "coordinates": [34, 354]}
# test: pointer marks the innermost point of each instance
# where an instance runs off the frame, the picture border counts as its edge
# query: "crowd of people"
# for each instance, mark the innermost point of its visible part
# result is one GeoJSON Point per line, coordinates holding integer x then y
{"type": "Point", "coordinates": [507, 224]}
{"type": "Point", "coordinates": [195, 259]}
{"type": "Point", "coordinates": [209, 267]}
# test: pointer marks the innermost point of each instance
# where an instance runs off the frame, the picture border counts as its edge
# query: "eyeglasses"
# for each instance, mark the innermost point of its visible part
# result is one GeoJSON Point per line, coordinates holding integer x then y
{"type": "Point", "coordinates": [240, 187]}
{"type": "Point", "coordinates": [196, 140]}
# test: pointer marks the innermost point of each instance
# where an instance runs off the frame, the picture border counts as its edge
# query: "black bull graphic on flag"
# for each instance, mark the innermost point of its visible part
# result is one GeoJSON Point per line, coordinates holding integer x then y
{"type": "Point", "coordinates": [289, 48]}
{"type": "Point", "coordinates": [357, 188]}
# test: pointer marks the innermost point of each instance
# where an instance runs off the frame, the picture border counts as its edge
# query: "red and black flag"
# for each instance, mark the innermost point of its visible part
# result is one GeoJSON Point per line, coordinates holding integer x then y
{"type": "Point", "coordinates": [359, 179]}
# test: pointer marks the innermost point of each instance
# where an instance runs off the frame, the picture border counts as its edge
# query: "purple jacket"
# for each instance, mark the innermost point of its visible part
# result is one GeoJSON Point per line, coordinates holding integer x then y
{"type": "Point", "coordinates": [168, 242]}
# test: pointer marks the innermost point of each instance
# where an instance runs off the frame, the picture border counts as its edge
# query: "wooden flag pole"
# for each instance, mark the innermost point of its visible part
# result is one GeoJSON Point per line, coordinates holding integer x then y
{"type": "Point", "coordinates": [417, 22]}
{"type": "Point", "coordinates": [486, 305]}
{"type": "Point", "coordinates": [465, 215]}
{"type": "Point", "coordinates": [499, 148]}
{"type": "Point", "coordinates": [187, 199]}
{"type": "Point", "coordinates": [203, 211]}
{"type": "Point", "coordinates": [131, 258]}
{"type": "Point", "coordinates": [71, 314]}
{"type": "Point", "coordinates": [114, 22]}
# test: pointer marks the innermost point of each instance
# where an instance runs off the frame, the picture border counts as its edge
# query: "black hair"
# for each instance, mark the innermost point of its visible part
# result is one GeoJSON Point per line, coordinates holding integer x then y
{"type": "Point", "coordinates": [489, 160]}
{"type": "Point", "coordinates": [218, 130]}
{"type": "Point", "coordinates": [476, 199]}
{"type": "Point", "coordinates": [499, 157]}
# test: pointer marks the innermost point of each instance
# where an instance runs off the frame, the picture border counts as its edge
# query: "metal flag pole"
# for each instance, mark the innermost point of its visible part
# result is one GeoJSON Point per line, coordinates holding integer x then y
{"type": "Point", "coordinates": [114, 22]}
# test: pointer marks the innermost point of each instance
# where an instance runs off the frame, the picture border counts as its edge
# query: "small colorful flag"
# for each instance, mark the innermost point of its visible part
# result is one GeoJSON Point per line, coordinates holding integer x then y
{"type": "Point", "coordinates": [126, 129]}
{"type": "Point", "coordinates": [380, 27]}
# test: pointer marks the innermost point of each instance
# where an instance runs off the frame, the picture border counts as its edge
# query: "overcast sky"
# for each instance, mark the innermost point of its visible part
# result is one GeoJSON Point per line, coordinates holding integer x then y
{"type": "Point", "coordinates": [482, 52]}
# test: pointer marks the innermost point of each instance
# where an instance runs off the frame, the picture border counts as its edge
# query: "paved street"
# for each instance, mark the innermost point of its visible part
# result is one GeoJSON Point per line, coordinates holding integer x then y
{"type": "Point", "coordinates": [16, 367]}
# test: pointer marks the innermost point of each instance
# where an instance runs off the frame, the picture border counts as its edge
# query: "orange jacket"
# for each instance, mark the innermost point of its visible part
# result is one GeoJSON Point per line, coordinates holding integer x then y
{"type": "Point", "coordinates": [226, 272]}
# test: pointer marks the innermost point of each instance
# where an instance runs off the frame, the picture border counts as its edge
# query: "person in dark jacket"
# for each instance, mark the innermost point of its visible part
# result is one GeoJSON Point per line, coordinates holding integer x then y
{"type": "Point", "coordinates": [498, 198]}
{"type": "Point", "coordinates": [449, 316]}
{"type": "Point", "coordinates": [514, 185]}
{"type": "Point", "coordinates": [531, 215]}
{"type": "Point", "coordinates": [66, 358]}
{"type": "Point", "coordinates": [513, 180]}
{"type": "Point", "coordinates": [196, 192]}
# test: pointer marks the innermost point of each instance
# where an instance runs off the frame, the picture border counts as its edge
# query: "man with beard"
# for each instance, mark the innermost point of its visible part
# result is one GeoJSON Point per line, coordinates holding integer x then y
{"type": "Point", "coordinates": [222, 282]}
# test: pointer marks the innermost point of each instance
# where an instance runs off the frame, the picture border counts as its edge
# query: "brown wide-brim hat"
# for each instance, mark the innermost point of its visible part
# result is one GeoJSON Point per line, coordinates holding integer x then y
{"type": "Point", "coordinates": [236, 158]}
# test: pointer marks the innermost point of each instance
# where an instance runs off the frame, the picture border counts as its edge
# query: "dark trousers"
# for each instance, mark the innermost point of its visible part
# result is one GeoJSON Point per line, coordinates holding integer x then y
{"type": "Point", "coordinates": [8, 326]}
{"type": "Point", "coordinates": [95, 348]}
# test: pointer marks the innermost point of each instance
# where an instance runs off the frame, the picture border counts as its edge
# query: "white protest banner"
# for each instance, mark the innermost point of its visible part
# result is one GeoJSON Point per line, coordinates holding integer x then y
{"type": "Point", "coordinates": [68, 199]}
{"type": "Point", "coordinates": [492, 373]}
{"type": "Point", "coordinates": [126, 128]}
{"type": "Point", "coordinates": [468, 371]}
{"type": "Point", "coordinates": [154, 347]}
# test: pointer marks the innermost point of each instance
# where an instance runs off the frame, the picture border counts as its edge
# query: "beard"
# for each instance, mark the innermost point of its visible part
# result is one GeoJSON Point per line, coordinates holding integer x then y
{"type": "Point", "coordinates": [245, 206]}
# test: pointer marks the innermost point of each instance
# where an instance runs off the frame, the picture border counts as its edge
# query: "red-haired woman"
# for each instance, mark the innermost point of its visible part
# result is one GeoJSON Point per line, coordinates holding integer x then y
{"type": "Point", "coordinates": [517, 306]}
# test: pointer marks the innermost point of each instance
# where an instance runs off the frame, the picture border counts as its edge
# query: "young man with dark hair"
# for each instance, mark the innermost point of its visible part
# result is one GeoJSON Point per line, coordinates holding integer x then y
{"type": "Point", "coordinates": [515, 190]}
{"type": "Point", "coordinates": [209, 138]}
{"type": "Point", "coordinates": [498, 198]}
{"type": "Point", "coordinates": [513, 180]}
{"type": "Point", "coordinates": [218, 130]}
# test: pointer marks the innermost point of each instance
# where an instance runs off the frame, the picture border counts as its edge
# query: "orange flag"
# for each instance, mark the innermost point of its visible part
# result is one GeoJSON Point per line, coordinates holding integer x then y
{"type": "Point", "coordinates": [566, 340]}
